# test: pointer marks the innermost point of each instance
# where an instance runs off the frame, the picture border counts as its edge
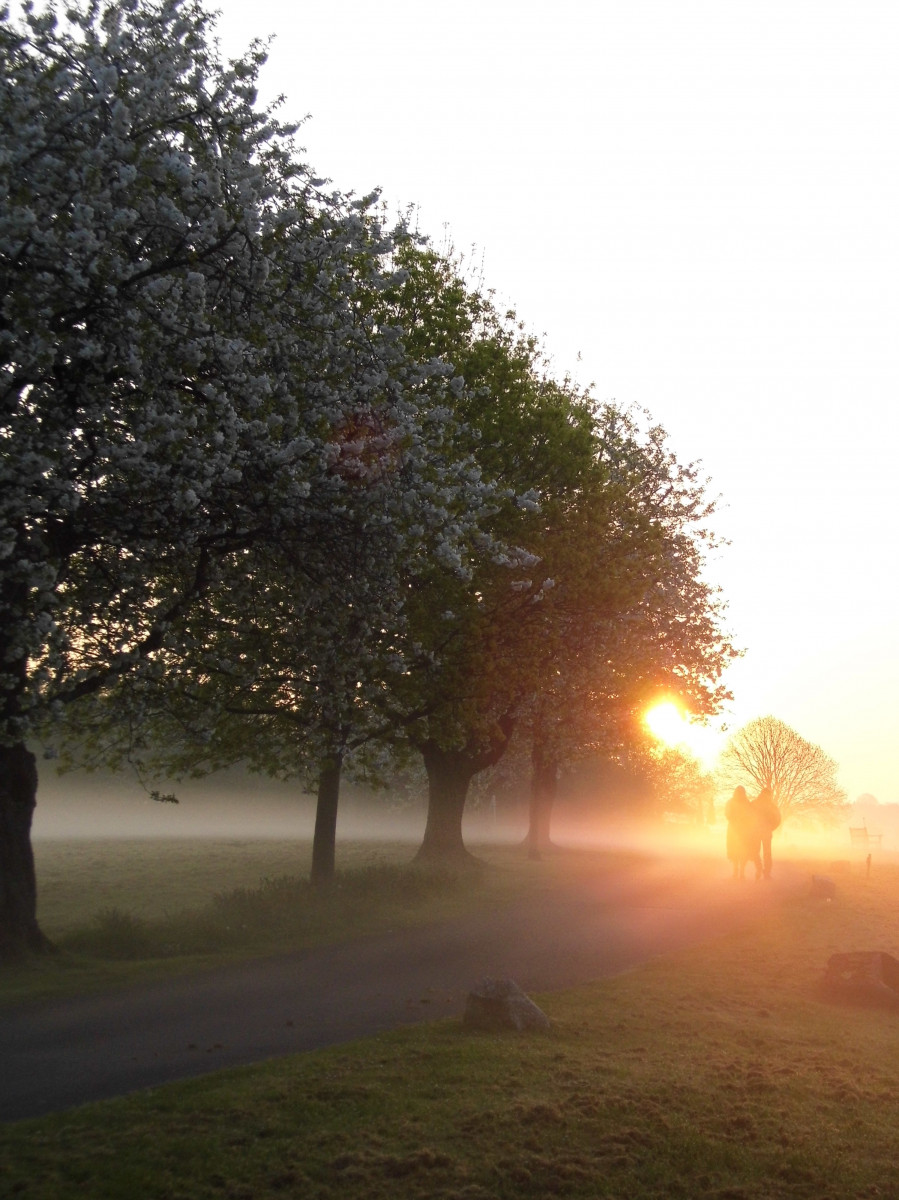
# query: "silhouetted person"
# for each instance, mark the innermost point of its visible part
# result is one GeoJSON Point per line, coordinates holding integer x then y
{"type": "Point", "coordinates": [767, 815]}
{"type": "Point", "coordinates": [743, 841]}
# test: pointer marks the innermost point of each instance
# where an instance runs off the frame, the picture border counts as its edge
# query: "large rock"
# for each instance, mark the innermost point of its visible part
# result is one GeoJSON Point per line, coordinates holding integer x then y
{"type": "Point", "coordinates": [863, 977]}
{"type": "Point", "coordinates": [501, 1004]}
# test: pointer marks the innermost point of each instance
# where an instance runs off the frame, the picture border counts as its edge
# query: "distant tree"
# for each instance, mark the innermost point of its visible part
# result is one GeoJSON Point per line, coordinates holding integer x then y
{"type": "Point", "coordinates": [680, 784]}
{"type": "Point", "coordinates": [768, 753]}
{"type": "Point", "coordinates": [867, 807]}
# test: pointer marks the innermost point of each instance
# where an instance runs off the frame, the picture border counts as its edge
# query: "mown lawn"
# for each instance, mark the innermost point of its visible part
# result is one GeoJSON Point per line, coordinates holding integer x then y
{"type": "Point", "coordinates": [717, 1072]}
{"type": "Point", "coordinates": [121, 911]}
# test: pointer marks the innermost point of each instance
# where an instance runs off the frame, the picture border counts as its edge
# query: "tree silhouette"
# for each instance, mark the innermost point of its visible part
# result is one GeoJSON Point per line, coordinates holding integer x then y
{"type": "Point", "coordinates": [768, 753]}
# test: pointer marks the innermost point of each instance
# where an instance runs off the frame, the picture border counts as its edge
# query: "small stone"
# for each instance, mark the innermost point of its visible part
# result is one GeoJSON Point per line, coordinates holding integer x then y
{"type": "Point", "coordinates": [497, 1004]}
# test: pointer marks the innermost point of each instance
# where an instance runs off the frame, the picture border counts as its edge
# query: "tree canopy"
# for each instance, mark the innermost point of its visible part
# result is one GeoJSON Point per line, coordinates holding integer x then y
{"type": "Point", "coordinates": [607, 601]}
{"type": "Point", "coordinates": [186, 363]}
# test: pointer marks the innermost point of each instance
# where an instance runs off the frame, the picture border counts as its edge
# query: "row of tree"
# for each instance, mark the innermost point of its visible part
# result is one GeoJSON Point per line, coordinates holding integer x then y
{"type": "Point", "coordinates": [764, 753]}
{"type": "Point", "coordinates": [657, 779]}
{"type": "Point", "coordinates": [281, 486]}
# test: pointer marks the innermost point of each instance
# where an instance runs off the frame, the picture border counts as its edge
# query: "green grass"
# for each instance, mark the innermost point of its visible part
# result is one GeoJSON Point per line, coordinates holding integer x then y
{"type": "Point", "coordinates": [718, 1072]}
{"type": "Point", "coordinates": [154, 876]}
{"type": "Point", "coordinates": [126, 911]}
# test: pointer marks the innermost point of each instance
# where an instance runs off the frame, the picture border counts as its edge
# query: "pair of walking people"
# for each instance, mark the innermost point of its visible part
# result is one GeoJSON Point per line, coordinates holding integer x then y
{"type": "Point", "coordinates": [750, 824]}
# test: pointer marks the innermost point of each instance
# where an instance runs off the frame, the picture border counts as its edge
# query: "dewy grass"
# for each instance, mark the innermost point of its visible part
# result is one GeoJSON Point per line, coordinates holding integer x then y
{"type": "Point", "coordinates": [115, 934]}
{"type": "Point", "coordinates": [278, 914]}
{"type": "Point", "coordinates": [282, 914]}
{"type": "Point", "coordinates": [127, 911]}
{"type": "Point", "coordinates": [719, 1073]}
{"type": "Point", "coordinates": [152, 877]}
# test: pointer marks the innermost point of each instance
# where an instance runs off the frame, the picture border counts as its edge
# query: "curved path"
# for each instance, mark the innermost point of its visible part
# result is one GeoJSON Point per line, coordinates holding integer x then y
{"type": "Point", "coordinates": [64, 1053]}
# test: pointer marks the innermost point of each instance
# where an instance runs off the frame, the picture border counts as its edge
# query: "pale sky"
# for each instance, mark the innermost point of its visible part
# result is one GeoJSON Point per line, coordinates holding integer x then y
{"type": "Point", "coordinates": [701, 200]}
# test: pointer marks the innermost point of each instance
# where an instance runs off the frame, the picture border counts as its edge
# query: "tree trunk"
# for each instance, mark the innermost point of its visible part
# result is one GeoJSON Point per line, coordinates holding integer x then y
{"type": "Point", "coordinates": [19, 931]}
{"type": "Point", "coordinates": [324, 841]}
{"type": "Point", "coordinates": [544, 788]}
{"type": "Point", "coordinates": [449, 774]}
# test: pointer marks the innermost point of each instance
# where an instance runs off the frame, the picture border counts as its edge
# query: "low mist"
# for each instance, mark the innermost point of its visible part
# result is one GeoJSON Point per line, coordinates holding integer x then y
{"type": "Point", "coordinates": [229, 804]}
{"type": "Point", "coordinates": [236, 804]}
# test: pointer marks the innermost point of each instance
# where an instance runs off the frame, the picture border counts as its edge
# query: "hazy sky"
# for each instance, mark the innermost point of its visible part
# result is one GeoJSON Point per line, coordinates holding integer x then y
{"type": "Point", "coordinates": [698, 204]}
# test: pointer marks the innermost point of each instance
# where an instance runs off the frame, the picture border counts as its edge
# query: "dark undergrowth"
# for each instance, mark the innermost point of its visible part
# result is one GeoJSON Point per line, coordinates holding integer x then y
{"type": "Point", "coordinates": [279, 913]}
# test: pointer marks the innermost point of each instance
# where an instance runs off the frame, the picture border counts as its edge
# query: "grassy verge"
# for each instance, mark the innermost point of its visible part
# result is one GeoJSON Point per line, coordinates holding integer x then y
{"type": "Point", "coordinates": [714, 1073]}
{"type": "Point", "coordinates": [126, 911]}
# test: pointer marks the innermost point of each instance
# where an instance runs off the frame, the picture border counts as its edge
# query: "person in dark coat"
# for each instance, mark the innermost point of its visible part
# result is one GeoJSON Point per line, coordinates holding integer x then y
{"type": "Point", "coordinates": [767, 816]}
{"type": "Point", "coordinates": [743, 838]}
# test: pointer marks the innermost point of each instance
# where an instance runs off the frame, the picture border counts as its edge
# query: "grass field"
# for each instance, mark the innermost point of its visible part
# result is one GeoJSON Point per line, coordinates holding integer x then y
{"type": "Point", "coordinates": [127, 910]}
{"type": "Point", "coordinates": [719, 1072]}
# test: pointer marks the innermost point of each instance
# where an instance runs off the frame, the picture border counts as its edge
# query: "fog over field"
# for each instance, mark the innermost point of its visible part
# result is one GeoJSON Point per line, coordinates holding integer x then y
{"type": "Point", "coordinates": [230, 804]}
{"type": "Point", "coordinates": [236, 804]}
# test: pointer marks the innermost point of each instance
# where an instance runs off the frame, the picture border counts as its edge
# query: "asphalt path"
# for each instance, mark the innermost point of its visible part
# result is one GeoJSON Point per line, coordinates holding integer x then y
{"type": "Point", "coordinates": [57, 1055]}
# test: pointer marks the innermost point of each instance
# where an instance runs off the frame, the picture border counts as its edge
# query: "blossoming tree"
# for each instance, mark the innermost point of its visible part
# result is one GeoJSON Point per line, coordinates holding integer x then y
{"type": "Point", "coordinates": [183, 350]}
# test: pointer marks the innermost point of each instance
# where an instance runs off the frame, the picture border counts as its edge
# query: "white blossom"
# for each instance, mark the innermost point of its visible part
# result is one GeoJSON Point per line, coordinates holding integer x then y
{"type": "Point", "coordinates": [182, 329]}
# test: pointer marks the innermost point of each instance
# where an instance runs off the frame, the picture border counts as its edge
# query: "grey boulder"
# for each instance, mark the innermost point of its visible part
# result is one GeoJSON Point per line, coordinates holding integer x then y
{"type": "Point", "coordinates": [497, 1004]}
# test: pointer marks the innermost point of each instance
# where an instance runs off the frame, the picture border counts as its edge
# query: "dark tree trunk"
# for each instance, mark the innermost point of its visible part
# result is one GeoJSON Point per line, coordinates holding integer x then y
{"type": "Point", "coordinates": [544, 788]}
{"type": "Point", "coordinates": [19, 931]}
{"type": "Point", "coordinates": [324, 841]}
{"type": "Point", "coordinates": [450, 773]}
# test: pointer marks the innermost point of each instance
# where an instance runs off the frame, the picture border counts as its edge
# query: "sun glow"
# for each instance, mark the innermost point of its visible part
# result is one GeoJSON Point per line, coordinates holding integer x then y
{"type": "Point", "coordinates": [668, 724]}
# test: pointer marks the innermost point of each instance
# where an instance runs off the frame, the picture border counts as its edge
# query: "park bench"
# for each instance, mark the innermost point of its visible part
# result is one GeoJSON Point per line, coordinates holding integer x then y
{"type": "Point", "coordinates": [859, 836]}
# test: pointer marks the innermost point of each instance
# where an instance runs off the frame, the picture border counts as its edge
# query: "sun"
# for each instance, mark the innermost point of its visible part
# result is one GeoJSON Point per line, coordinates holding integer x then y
{"type": "Point", "coordinates": [668, 724]}
{"type": "Point", "coordinates": [665, 722]}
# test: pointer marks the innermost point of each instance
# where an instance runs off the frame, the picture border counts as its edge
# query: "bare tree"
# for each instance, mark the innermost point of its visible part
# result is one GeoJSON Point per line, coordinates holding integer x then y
{"type": "Point", "coordinates": [768, 753]}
